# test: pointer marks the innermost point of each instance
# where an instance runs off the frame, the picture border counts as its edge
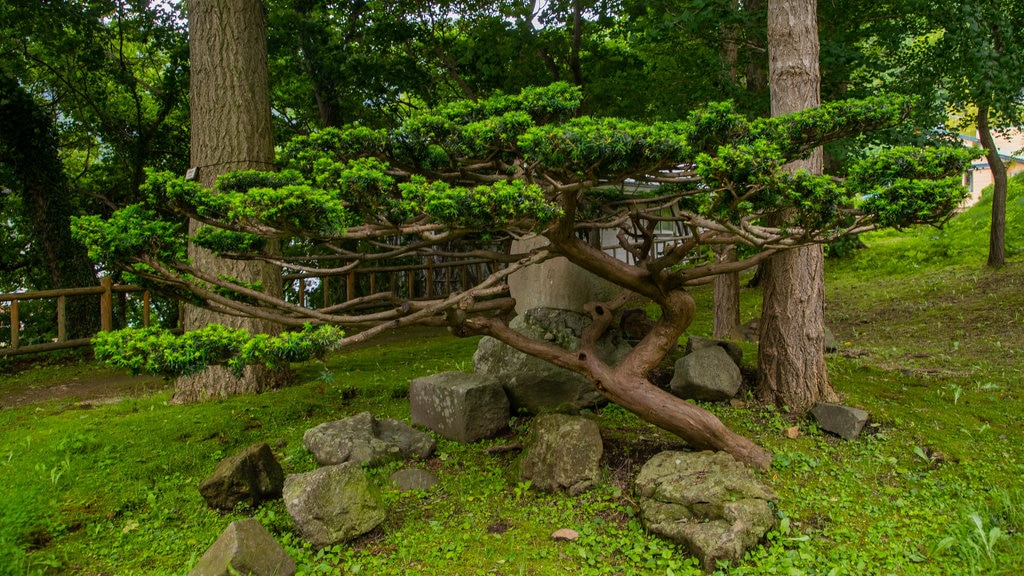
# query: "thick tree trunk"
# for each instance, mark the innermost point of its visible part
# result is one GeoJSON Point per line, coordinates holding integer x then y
{"type": "Point", "coordinates": [791, 357]}
{"type": "Point", "coordinates": [997, 230]}
{"type": "Point", "coordinates": [726, 297]}
{"type": "Point", "coordinates": [231, 130]}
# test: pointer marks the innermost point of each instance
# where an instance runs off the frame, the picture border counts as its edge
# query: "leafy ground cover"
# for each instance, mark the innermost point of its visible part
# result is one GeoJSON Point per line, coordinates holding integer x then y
{"type": "Point", "coordinates": [931, 343]}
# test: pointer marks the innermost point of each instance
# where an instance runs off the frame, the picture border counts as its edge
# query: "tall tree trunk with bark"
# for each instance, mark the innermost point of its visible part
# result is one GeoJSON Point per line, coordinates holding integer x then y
{"type": "Point", "coordinates": [231, 130]}
{"type": "Point", "coordinates": [726, 296]}
{"type": "Point", "coordinates": [791, 357]}
{"type": "Point", "coordinates": [997, 230]}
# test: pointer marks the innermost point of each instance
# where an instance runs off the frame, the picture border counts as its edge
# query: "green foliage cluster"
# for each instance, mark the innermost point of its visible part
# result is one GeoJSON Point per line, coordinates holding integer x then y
{"type": "Point", "coordinates": [962, 238]}
{"type": "Point", "coordinates": [526, 147]}
{"type": "Point", "coordinates": [159, 351]}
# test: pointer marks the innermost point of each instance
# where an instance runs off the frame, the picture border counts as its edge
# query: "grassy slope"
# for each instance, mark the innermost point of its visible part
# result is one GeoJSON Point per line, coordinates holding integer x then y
{"type": "Point", "coordinates": [931, 346]}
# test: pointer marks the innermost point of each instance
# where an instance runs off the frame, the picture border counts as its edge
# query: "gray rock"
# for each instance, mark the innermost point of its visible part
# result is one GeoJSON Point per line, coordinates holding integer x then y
{"type": "Point", "coordinates": [844, 421]}
{"type": "Point", "coordinates": [694, 343]}
{"type": "Point", "coordinates": [706, 374]}
{"type": "Point", "coordinates": [333, 504]}
{"type": "Point", "coordinates": [245, 547]}
{"type": "Point", "coordinates": [459, 406]}
{"type": "Point", "coordinates": [563, 454]}
{"type": "Point", "coordinates": [253, 475]}
{"type": "Point", "coordinates": [831, 344]}
{"type": "Point", "coordinates": [366, 440]}
{"type": "Point", "coordinates": [534, 385]}
{"type": "Point", "coordinates": [708, 502]}
{"type": "Point", "coordinates": [413, 479]}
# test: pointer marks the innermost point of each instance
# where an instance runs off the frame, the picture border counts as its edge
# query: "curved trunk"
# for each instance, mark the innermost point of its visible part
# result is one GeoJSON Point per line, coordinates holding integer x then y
{"type": "Point", "coordinates": [791, 355]}
{"type": "Point", "coordinates": [231, 130]}
{"type": "Point", "coordinates": [997, 230]}
{"type": "Point", "coordinates": [626, 384]}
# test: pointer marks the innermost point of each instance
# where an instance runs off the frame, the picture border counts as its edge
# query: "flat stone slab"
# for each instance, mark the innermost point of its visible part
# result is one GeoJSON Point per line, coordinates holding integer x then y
{"type": "Point", "coordinates": [245, 547]}
{"type": "Point", "coordinates": [459, 406]}
{"type": "Point", "coordinates": [413, 479]}
{"type": "Point", "coordinates": [843, 421]}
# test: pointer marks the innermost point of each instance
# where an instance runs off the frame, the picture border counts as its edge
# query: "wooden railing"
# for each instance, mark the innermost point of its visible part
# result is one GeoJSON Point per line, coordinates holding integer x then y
{"type": "Point", "coordinates": [105, 290]}
{"type": "Point", "coordinates": [422, 281]}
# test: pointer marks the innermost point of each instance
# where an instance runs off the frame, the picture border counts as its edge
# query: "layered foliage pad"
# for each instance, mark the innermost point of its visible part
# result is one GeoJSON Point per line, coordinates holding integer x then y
{"type": "Point", "coordinates": [461, 178]}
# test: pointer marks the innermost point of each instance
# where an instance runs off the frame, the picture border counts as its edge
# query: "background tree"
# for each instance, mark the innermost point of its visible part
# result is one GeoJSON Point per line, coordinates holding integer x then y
{"type": "Point", "coordinates": [977, 56]}
{"type": "Point", "coordinates": [500, 167]}
{"type": "Point", "coordinates": [31, 169]}
{"type": "Point", "coordinates": [111, 77]}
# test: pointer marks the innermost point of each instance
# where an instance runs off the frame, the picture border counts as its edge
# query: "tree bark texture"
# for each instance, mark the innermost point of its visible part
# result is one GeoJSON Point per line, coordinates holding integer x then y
{"type": "Point", "coordinates": [726, 297]}
{"type": "Point", "coordinates": [231, 130]}
{"type": "Point", "coordinates": [997, 229]}
{"type": "Point", "coordinates": [791, 355]}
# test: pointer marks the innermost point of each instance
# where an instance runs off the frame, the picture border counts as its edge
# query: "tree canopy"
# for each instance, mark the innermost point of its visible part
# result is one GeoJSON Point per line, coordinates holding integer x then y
{"type": "Point", "coordinates": [506, 166]}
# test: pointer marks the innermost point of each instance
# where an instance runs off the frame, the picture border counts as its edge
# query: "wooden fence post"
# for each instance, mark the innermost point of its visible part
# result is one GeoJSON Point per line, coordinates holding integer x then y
{"type": "Point", "coordinates": [106, 304]}
{"type": "Point", "coordinates": [15, 325]}
{"type": "Point", "coordinates": [62, 319]}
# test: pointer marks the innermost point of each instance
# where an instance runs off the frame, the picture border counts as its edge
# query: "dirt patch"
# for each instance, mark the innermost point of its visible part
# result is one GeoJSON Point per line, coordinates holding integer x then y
{"type": "Point", "coordinates": [86, 390]}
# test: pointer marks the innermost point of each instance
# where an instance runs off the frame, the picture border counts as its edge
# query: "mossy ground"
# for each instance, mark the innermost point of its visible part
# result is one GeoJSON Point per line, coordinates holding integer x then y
{"type": "Point", "coordinates": [931, 343]}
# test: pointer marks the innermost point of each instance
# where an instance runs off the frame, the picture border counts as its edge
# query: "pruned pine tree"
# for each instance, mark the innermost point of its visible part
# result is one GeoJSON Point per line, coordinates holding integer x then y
{"type": "Point", "coordinates": [481, 172]}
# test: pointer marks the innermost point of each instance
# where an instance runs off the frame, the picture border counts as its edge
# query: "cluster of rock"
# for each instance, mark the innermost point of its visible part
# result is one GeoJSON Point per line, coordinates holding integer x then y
{"type": "Point", "coordinates": [334, 503]}
{"type": "Point", "coordinates": [706, 502]}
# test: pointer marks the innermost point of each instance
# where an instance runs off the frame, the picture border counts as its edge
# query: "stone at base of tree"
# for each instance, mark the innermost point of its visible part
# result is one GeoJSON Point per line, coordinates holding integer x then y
{"type": "Point", "coordinates": [459, 406]}
{"type": "Point", "coordinates": [246, 548]}
{"type": "Point", "coordinates": [831, 344]}
{"type": "Point", "coordinates": [333, 504]}
{"type": "Point", "coordinates": [694, 343]}
{"type": "Point", "coordinates": [253, 475]}
{"type": "Point", "coordinates": [366, 440]}
{"type": "Point", "coordinates": [707, 502]}
{"type": "Point", "coordinates": [707, 374]}
{"type": "Point", "coordinates": [562, 454]}
{"type": "Point", "coordinates": [534, 385]}
{"type": "Point", "coordinates": [413, 479]}
{"type": "Point", "coordinates": [844, 421]}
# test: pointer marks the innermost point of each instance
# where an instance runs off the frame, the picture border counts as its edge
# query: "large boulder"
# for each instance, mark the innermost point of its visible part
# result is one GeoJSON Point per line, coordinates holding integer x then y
{"type": "Point", "coordinates": [555, 283]}
{"type": "Point", "coordinates": [708, 502]}
{"type": "Point", "coordinates": [459, 406]}
{"type": "Point", "coordinates": [333, 504]}
{"type": "Point", "coordinates": [708, 374]}
{"type": "Point", "coordinates": [562, 454]}
{"type": "Point", "coordinates": [246, 548]}
{"type": "Point", "coordinates": [534, 385]}
{"type": "Point", "coordinates": [253, 475]}
{"type": "Point", "coordinates": [366, 440]}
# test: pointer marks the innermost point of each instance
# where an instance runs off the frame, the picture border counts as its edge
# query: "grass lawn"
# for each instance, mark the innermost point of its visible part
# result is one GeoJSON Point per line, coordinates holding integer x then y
{"type": "Point", "coordinates": [931, 344]}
